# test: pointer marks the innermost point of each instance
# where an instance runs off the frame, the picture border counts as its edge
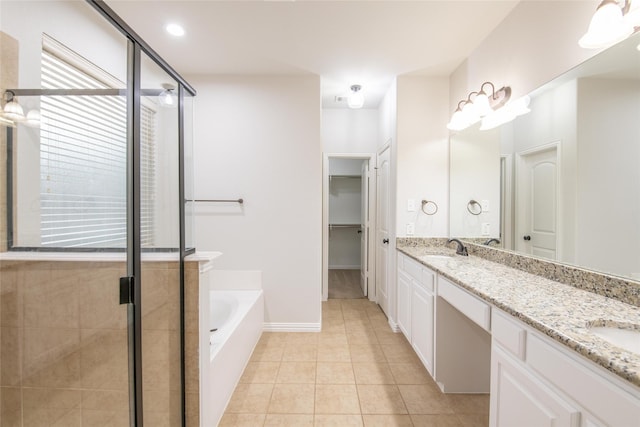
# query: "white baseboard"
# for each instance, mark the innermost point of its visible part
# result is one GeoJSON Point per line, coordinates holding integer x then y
{"type": "Point", "coordinates": [344, 267]}
{"type": "Point", "coordinates": [394, 326]}
{"type": "Point", "coordinates": [291, 327]}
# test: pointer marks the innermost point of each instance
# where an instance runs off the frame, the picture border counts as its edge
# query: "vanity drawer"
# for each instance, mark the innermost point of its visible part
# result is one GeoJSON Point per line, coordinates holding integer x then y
{"type": "Point", "coordinates": [508, 333]}
{"type": "Point", "coordinates": [413, 268]}
{"type": "Point", "coordinates": [472, 307]}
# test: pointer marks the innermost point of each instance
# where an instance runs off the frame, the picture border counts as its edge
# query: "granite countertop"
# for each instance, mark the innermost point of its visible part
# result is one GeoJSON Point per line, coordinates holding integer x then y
{"type": "Point", "coordinates": [560, 311]}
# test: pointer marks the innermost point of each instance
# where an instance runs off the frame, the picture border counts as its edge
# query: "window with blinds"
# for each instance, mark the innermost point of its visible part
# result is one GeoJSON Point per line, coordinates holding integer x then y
{"type": "Point", "coordinates": [83, 160]}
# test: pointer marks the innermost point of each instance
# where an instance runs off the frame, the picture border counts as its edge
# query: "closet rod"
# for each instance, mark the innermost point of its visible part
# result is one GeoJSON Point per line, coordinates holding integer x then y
{"type": "Point", "coordinates": [344, 225]}
{"type": "Point", "coordinates": [240, 201]}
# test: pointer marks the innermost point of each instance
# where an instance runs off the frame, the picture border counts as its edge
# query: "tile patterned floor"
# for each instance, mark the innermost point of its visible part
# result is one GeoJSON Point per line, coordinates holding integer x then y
{"type": "Point", "coordinates": [344, 284]}
{"type": "Point", "coordinates": [356, 372]}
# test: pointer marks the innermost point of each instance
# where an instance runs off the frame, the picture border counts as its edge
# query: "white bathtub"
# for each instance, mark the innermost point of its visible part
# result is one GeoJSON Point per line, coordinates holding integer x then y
{"type": "Point", "coordinates": [233, 327]}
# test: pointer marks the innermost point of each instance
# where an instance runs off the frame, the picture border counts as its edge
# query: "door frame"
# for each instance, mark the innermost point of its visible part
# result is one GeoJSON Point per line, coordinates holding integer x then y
{"type": "Point", "coordinates": [519, 167]}
{"type": "Point", "coordinates": [371, 282]}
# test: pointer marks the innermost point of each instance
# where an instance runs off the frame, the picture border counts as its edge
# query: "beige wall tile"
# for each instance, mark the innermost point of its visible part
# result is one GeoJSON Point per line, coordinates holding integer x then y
{"type": "Point", "coordinates": [11, 301]}
{"type": "Point", "coordinates": [104, 359]}
{"type": "Point", "coordinates": [11, 355]}
{"type": "Point", "coordinates": [11, 406]}
{"type": "Point", "coordinates": [193, 409]}
{"type": "Point", "coordinates": [192, 362]}
{"type": "Point", "coordinates": [99, 300]}
{"type": "Point", "coordinates": [51, 358]}
{"type": "Point", "coordinates": [337, 399]}
{"type": "Point", "coordinates": [51, 303]}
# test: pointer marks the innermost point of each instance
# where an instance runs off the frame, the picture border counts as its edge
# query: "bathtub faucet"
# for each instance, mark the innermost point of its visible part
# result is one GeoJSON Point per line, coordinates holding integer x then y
{"type": "Point", "coordinates": [461, 249]}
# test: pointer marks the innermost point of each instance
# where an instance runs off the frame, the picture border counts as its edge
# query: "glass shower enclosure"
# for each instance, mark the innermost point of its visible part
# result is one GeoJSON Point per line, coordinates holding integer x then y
{"type": "Point", "coordinates": [95, 144]}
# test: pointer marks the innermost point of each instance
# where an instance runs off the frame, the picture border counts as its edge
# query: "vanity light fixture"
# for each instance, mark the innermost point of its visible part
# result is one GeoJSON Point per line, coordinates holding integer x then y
{"type": "Point", "coordinates": [12, 109]}
{"type": "Point", "coordinates": [470, 111]}
{"type": "Point", "coordinates": [356, 98]}
{"type": "Point", "coordinates": [506, 113]}
{"type": "Point", "coordinates": [612, 22]}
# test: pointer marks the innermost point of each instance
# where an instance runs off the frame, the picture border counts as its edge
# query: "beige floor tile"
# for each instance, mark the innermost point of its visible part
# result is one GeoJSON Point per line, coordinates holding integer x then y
{"type": "Point", "coordinates": [368, 337]}
{"type": "Point", "coordinates": [289, 420]}
{"type": "Point", "coordinates": [267, 353]}
{"type": "Point", "coordinates": [292, 399]}
{"type": "Point", "coordinates": [333, 325]}
{"type": "Point", "coordinates": [329, 338]}
{"type": "Point", "coordinates": [300, 353]}
{"type": "Point", "coordinates": [241, 420]}
{"type": "Point", "coordinates": [273, 338]}
{"type": "Point", "coordinates": [337, 399]}
{"type": "Point", "coordinates": [372, 373]}
{"type": "Point", "coordinates": [435, 421]}
{"type": "Point", "coordinates": [390, 337]}
{"type": "Point", "coordinates": [297, 372]}
{"type": "Point", "coordinates": [334, 373]}
{"type": "Point", "coordinates": [250, 398]}
{"type": "Point", "coordinates": [323, 420]}
{"type": "Point", "coordinates": [354, 314]}
{"type": "Point", "coordinates": [474, 420]}
{"type": "Point", "coordinates": [381, 399]}
{"type": "Point", "coordinates": [399, 353]}
{"type": "Point", "coordinates": [387, 420]}
{"type": "Point", "coordinates": [469, 403]}
{"type": "Point", "coordinates": [334, 353]}
{"type": "Point", "coordinates": [380, 324]}
{"type": "Point", "coordinates": [332, 305]}
{"type": "Point", "coordinates": [424, 399]}
{"type": "Point", "coordinates": [357, 326]}
{"type": "Point", "coordinates": [301, 338]}
{"type": "Point", "coordinates": [366, 353]}
{"type": "Point", "coordinates": [410, 373]}
{"type": "Point", "coordinates": [260, 372]}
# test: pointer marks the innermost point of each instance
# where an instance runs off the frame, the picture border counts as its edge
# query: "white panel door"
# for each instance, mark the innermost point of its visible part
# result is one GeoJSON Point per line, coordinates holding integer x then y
{"type": "Point", "coordinates": [538, 203]}
{"type": "Point", "coordinates": [382, 231]}
{"type": "Point", "coordinates": [364, 228]}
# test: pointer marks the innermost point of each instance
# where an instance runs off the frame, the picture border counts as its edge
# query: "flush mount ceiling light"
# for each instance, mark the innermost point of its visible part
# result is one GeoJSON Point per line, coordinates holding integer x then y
{"type": "Point", "coordinates": [175, 29]}
{"type": "Point", "coordinates": [478, 105]}
{"type": "Point", "coordinates": [612, 22]}
{"type": "Point", "coordinates": [356, 98]}
{"type": "Point", "coordinates": [167, 98]}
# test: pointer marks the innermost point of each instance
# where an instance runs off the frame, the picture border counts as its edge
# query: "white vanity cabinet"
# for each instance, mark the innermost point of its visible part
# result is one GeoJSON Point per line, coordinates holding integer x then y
{"type": "Point", "coordinates": [416, 285]}
{"type": "Point", "coordinates": [536, 382]}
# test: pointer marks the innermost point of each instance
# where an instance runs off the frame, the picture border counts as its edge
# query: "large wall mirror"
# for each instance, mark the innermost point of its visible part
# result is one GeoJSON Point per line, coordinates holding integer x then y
{"type": "Point", "coordinates": [563, 181]}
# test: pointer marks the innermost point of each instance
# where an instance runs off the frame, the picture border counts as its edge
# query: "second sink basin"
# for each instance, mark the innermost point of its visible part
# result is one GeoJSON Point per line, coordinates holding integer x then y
{"type": "Point", "coordinates": [436, 256]}
{"type": "Point", "coordinates": [625, 336]}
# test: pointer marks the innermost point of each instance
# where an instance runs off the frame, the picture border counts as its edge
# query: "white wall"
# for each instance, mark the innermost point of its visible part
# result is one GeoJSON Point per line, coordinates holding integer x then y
{"type": "Point", "coordinates": [349, 131]}
{"type": "Point", "coordinates": [258, 137]}
{"type": "Point", "coordinates": [422, 154]}
{"type": "Point", "coordinates": [608, 200]}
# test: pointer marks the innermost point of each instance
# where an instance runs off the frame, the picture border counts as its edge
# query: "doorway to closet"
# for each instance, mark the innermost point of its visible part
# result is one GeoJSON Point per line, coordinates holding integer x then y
{"type": "Point", "coordinates": [348, 227]}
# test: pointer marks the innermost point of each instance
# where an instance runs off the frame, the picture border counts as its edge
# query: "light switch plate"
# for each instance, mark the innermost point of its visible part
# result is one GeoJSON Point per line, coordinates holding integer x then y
{"type": "Point", "coordinates": [485, 205]}
{"type": "Point", "coordinates": [411, 205]}
{"type": "Point", "coordinates": [486, 229]}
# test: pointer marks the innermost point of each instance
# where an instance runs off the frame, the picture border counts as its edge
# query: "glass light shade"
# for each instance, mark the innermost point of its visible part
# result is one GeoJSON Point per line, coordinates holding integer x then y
{"type": "Point", "coordinates": [13, 111]}
{"type": "Point", "coordinates": [607, 27]}
{"type": "Point", "coordinates": [457, 121]}
{"type": "Point", "coordinates": [33, 118]}
{"type": "Point", "coordinates": [167, 98]}
{"type": "Point", "coordinates": [520, 106]}
{"type": "Point", "coordinates": [498, 117]}
{"type": "Point", "coordinates": [632, 17]}
{"type": "Point", "coordinates": [481, 104]}
{"type": "Point", "coordinates": [355, 100]}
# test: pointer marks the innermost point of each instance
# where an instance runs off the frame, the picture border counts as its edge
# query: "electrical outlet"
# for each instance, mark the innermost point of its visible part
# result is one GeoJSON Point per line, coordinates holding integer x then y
{"type": "Point", "coordinates": [485, 205]}
{"type": "Point", "coordinates": [411, 205]}
{"type": "Point", "coordinates": [411, 229]}
{"type": "Point", "coordinates": [486, 229]}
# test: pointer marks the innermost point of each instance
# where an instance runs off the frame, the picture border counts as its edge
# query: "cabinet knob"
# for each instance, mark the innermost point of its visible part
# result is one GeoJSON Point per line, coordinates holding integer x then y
{"type": "Point", "coordinates": [527, 238]}
{"type": "Point", "coordinates": [385, 241]}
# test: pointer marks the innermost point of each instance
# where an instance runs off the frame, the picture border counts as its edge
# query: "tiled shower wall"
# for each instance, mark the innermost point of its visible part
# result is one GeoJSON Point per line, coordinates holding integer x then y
{"type": "Point", "coordinates": [63, 344]}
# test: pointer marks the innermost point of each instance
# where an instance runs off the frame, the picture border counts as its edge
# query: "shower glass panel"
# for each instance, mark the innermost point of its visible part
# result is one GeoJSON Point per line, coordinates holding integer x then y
{"type": "Point", "coordinates": [189, 195]}
{"type": "Point", "coordinates": [160, 207]}
{"type": "Point", "coordinates": [64, 335]}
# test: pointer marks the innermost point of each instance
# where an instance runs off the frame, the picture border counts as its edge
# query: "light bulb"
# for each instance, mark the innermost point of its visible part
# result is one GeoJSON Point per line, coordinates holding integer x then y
{"type": "Point", "coordinates": [481, 103]}
{"type": "Point", "coordinates": [13, 110]}
{"type": "Point", "coordinates": [167, 98]}
{"type": "Point", "coordinates": [33, 119]}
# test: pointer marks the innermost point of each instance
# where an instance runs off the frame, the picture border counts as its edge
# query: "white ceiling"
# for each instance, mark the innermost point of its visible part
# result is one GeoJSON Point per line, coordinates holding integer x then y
{"type": "Point", "coordinates": [345, 42]}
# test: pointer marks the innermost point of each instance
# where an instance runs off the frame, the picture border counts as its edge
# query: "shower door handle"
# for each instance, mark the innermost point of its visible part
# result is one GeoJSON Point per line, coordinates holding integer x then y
{"type": "Point", "coordinates": [126, 290]}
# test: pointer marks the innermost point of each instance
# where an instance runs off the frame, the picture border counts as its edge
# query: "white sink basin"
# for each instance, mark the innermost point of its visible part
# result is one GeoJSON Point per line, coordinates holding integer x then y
{"type": "Point", "coordinates": [436, 256]}
{"type": "Point", "coordinates": [627, 338]}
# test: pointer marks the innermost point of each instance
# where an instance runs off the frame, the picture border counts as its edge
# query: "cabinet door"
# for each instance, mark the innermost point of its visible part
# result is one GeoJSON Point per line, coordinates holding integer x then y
{"type": "Point", "coordinates": [404, 304]}
{"type": "Point", "coordinates": [518, 398]}
{"type": "Point", "coordinates": [422, 325]}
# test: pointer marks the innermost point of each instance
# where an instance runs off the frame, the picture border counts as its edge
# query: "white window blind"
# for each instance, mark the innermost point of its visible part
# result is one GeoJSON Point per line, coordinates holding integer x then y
{"type": "Point", "coordinates": [83, 161]}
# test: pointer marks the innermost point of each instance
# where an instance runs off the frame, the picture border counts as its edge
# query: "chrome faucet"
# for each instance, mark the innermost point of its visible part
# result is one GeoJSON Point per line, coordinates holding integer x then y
{"type": "Point", "coordinates": [461, 249]}
{"type": "Point", "coordinates": [493, 239]}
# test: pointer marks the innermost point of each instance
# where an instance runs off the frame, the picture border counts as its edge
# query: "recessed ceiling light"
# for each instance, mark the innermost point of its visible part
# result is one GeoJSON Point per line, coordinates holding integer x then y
{"type": "Point", "coordinates": [175, 30]}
